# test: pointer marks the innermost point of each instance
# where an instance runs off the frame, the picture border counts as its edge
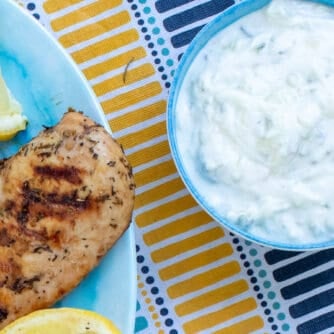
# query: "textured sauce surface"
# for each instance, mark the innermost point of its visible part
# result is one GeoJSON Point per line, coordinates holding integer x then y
{"type": "Point", "coordinates": [254, 123]}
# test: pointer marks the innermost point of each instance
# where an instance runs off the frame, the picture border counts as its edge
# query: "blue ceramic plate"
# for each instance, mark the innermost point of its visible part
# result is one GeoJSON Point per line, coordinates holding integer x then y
{"type": "Point", "coordinates": [223, 20]}
{"type": "Point", "coordinates": [46, 82]}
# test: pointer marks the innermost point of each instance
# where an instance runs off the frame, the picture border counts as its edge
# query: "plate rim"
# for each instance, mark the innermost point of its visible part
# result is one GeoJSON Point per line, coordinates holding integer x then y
{"type": "Point", "coordinates": [129, 235]}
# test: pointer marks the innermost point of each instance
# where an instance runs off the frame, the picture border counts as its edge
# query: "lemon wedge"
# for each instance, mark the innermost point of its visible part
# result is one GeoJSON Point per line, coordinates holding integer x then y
{"type": "Point", "coordinates": [11, 118]}
{"type": "Point", "coordinates": [61, 321]}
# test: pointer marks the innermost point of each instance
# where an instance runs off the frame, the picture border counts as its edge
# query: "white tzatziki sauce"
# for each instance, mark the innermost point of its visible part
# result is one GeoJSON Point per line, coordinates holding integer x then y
{"type": "Point", "coordinates": [255, 122]}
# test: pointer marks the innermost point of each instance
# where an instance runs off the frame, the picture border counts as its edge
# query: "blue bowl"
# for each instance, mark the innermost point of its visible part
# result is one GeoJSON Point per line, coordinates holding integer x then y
{"type": "Point", "coordinates": [223, 20]}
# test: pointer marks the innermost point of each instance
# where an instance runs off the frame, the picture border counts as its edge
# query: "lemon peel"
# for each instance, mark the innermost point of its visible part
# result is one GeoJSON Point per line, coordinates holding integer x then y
{"type": "Point", "coordinates": [62, 320]}
{"type": "Point", "coordinates": [11, 118]}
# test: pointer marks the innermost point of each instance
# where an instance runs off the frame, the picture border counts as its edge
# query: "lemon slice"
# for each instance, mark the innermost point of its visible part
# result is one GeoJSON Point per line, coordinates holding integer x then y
{"type": "Point", "coordinates": [61, 321]}
{"type": "Point", "coordinates": [11, 118]}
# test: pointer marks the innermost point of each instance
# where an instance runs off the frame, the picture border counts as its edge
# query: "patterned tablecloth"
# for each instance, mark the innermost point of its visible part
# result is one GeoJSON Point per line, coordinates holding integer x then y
{"type": "Point", "coordinates": [193, 276]}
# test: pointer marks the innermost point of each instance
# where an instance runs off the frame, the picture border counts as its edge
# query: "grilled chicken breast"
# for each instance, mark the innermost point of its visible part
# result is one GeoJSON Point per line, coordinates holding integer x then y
{"type": "Point", "coordinates": [65, 199]}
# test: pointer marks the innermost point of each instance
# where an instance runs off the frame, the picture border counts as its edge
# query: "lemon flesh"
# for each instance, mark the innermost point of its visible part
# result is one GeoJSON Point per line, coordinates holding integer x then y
{"type": "Point", "coordinates": [11, 118]}
{"type": "Point", "coordinates": [62, 321]}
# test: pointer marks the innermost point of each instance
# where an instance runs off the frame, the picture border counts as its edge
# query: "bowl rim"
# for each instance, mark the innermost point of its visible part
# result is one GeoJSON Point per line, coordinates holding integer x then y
{"type": "Point", "coordinates": [220, 22]}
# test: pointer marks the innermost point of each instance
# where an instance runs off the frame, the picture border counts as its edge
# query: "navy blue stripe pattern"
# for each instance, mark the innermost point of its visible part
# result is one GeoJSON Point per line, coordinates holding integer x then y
{"type": "Point", "coordinates": [185, 38]}
{"type": "Point", "coordinates": [309, 282]}
{"type": "Point", "coordinates": [298, 267]}
{"type": "Point", "coordinates": [313, 303]}
{"type": "Point", "coordinates": [276, 256]}
{"type": "Point", "coordinates": [316, 325]}
{"type": "Point", "coordinates": [194, 14]}
{"type": "Point", "coordinates": [180, 21]}
{"type": "Point", "coordinates": [165, 5]}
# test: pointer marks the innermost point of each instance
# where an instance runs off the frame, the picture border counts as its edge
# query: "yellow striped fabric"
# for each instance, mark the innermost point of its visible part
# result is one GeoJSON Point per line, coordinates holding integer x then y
{"type": "Point", "coordinates": [202, 280]}
{"type": "Point", "coordinates": [177, 227]}
{"type": "Point", "coordinates": [211, 319]}
{"type": "Point", "coordinates": [195, 261]}
{"type": "Point", "coordinates": [51, 6]}
{"type": "Point", "coordinates": [245, 326]}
